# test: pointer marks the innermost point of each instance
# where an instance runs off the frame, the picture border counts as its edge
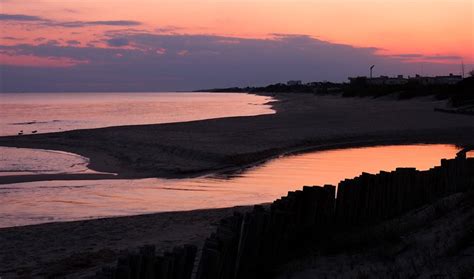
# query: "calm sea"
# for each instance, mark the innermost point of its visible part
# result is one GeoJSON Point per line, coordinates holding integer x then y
{"type": "Point", "coordinates": [29, 113]}
{"type": "Point", "coordinates": [56, 112]}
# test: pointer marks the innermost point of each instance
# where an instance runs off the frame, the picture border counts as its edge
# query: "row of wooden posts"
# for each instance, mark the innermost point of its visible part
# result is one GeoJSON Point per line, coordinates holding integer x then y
{"type": "Point", "coordinates": [254, 244]}
{"type": "Point", "coordinates": [145, 264]}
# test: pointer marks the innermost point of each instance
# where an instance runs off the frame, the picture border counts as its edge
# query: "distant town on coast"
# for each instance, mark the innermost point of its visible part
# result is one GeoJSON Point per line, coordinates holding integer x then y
{"type": "Point", "coordinates": [455, 87]}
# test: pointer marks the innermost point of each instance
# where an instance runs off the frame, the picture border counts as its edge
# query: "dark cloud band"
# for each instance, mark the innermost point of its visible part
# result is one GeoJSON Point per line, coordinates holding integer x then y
{"type": "Point", "coordinates": [160, 62]}
{"type": "Point", "coordinates": [66, 24]}
{"type": "Point", "coordinates": [19, 17]}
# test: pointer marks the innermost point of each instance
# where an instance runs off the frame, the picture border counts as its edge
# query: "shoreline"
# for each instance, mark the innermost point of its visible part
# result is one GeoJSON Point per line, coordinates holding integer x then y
{"type": "Point", "coordinates": [12, 179]}
{"type": "Point", "coordinates": [129, 164]}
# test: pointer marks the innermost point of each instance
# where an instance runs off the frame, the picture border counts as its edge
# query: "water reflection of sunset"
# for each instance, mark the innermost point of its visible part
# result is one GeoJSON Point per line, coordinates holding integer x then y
{"type": "Point", "coordinates": [264, 183]}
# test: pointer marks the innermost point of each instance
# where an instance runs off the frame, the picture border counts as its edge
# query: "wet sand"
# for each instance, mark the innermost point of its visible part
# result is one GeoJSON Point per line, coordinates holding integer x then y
{"type": "Point", "coordinates": [302, 122]}
{"type": "Point", "coordinates": [10, 179]}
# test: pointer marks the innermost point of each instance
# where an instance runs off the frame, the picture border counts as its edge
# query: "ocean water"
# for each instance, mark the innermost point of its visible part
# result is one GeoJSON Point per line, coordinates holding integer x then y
{"type": "Point", "coordinates": [29, 113]}
{"type": "Point", "coordinates": [49, 201]}
{"type": "Point", "coordinates": [56, 112]}
{"type": "Point", "coordinates": [25, 161]}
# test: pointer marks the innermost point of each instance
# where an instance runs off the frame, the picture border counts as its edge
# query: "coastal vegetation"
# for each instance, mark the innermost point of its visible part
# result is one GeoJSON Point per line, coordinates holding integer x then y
{"type": "Point", "coordinates": [459, 94]}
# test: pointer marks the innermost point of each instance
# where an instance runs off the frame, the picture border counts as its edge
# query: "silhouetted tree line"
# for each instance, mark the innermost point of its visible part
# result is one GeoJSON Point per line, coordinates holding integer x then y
{"type": "Point", "coordinates": [315, 87]}
{"type": "Point", "coordinates": [464, 93]}
{"type": "Point", "coordinates": [459, 94]}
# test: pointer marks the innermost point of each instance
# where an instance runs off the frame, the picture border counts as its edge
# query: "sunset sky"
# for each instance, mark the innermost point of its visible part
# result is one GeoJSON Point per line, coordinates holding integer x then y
{"type": "Point", "coordinates": [145, 45]}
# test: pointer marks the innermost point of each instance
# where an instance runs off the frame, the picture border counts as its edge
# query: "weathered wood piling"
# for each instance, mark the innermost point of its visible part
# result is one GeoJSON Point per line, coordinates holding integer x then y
{"type": "Point", "coordinates": [219, 254]}
{"type": "Point", "coordinates": [145, 264]}
{"type": "Point", "coordinates": [300, 223]}
{"type": "Point", "coordinates": [255, 244]}
{"type": "Point", "coordinates": [369, 199]}
{"type": "Point", "coordinates": [251, 246]}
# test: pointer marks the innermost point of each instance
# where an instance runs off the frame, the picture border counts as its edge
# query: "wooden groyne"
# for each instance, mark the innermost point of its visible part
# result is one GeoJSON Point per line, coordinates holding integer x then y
{"type": "Point", "coordinates": [219, 254]}
{"type": "Point", "coordinates": [145, 264]}
{"type": "Point", "coordinates": [254, 245]}
{"type": "Point", "coordinates": [369, 199]}
{"type": "Point", "coordinates": [302, 221]}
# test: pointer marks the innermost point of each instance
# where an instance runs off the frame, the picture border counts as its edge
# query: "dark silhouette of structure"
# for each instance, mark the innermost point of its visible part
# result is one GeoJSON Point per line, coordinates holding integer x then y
{"type": "Point", "coordinates": [177, 264]}
{"type": "Point", "coordinates": [254, 245]}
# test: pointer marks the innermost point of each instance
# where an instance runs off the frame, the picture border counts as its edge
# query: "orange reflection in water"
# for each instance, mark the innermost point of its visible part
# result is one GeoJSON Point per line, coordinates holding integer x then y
{"type": "Point", "coordinates": [330, 167]}
{"type": "Point", "coordinates": [470, 154]}
{"type": "Point", "coordinates": [39, 202]}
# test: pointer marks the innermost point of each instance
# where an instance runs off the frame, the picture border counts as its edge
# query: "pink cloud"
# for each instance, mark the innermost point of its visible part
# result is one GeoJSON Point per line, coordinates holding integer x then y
{"type": "Point", "coordinates": [160, 51]}
{"type": "Point", "coordinates": [183, 52]}
{"type": "Point", "coordinates": [37, 61]}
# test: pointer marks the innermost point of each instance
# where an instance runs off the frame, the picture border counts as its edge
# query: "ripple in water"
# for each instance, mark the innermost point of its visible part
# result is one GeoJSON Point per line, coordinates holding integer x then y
{"type": "Point", "coordinates": [25, 161]}
{"type": "Point", "coordinates": [39, 202]}
{"type": "Point", "coordinates": [28, 113]}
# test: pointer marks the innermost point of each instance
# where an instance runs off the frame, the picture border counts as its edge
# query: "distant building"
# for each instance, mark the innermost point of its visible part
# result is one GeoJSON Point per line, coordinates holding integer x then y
{"type": "Point", "coordinates": [382, 80]}
{"type": "Point", "coordinates": [359, 79]}
{"type": "Point", "coordinates": [294, 82]}
{"type": "Point", "coordinates": [400, 80]}
{"type": "Point", "coordinates": [451, 79]}
{"type": "Point", "coordinates": [385, 80]}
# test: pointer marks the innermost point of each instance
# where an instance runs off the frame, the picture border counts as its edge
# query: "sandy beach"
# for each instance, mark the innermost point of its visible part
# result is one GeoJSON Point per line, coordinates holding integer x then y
{"type": "Point", "coordinates": [77, 249]}
{"type": "Point", "coordinates": [302, 122]}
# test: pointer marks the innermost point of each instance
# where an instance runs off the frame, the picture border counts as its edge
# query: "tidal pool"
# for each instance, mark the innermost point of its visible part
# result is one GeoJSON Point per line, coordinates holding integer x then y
{"type": "Point", "coordinates": [50, 201]}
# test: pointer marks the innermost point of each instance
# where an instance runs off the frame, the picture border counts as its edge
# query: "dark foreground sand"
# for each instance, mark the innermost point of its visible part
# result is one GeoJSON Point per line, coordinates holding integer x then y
{"type": "Point", "coordinates": [302, 121]}
{"type": "Point", "coordinates": [77, 249]}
